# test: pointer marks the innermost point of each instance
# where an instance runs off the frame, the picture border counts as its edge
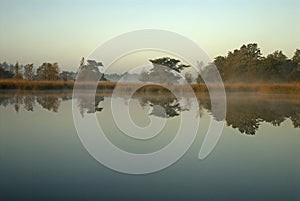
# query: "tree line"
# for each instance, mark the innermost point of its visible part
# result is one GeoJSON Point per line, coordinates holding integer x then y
{"type": "Point", "coordinates": [47, 71]}
{"type": "Point", "coordinates": [247, 64]}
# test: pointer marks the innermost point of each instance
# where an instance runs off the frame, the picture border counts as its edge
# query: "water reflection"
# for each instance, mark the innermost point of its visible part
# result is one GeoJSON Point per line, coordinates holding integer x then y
{"type": "Point", "coordinates": [165, 106]}
{"type": "Point", "coordinates": [245, 112]}
{"type": "Point", "coordinates": [29, 103]}
{"type": "Point", "coordinates": [248, 115]}
{"type": "Point", "coordinates": [48, 101]}
{"type": "Point", "coordinates": [87, 105]}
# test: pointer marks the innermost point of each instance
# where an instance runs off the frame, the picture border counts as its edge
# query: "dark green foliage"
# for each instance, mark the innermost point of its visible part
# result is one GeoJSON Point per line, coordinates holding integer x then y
{"type": "Point", "coordinates": [5, 74]}
{"type": "Point", "coordinates": [163, 71]}
{"type": "Point", "coordinates": [248, 65]}
{"type": "Point", "coordinates": [170, 63]}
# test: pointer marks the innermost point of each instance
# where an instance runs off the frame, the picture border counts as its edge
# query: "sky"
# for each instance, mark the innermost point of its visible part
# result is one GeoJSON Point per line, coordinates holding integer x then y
{"type": "Point", "coordinates": [64, 31]}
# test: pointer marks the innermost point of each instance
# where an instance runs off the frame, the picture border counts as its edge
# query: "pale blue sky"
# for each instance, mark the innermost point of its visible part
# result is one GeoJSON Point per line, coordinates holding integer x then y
{"type": "Point", "coordinates": [64, 31]}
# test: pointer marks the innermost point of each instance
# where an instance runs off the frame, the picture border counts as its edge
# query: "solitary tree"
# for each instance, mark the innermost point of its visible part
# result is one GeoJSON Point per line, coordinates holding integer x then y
{"type": "Point", "coordinates": [172, 64]}
{"type": "Point", "coordinates": [90, 71]}
{"type": "Point", "coordinates": [164, 70]}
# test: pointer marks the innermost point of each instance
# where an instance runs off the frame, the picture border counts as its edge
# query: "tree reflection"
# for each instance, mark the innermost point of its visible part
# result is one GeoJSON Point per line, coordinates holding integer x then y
{"type": "Point", "coordinates": [29, 102]}
{"type": "Point", "coordinates": [18, 101]}
{"type": "Point", "coordinates": [50, 103]}
{"type": "Point", "coordinates": [244, 112]}
{"type": "Point", "coordinates": [247, 113]}
{"type": "Point", "coordinates": [164, 105]}
{"type": "Point", "coordinates": [87, 104]}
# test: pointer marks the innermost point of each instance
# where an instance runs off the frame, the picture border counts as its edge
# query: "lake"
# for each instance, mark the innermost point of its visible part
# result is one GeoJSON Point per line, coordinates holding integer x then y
{"type": "Point", "coordinates": [43, 158]}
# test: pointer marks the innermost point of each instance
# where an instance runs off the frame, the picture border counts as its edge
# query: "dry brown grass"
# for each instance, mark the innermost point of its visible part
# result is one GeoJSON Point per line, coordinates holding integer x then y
{"type": "Point", "coordinates": [35, 85]}
{"type": "Point", "coordinates": [285, 88]}
{"type": "Point", "coordinates": [277, 88]}
{"type": "Point", "coordinates": [268, 88]}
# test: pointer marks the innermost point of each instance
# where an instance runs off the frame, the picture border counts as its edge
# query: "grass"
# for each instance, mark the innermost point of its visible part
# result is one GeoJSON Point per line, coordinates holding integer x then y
{"type": "Point", "coordinates": [35, 85]}
{"type": "Point", "coordinates": [277, 88]}
{"type": "Point", "coordinates": [268, 88]}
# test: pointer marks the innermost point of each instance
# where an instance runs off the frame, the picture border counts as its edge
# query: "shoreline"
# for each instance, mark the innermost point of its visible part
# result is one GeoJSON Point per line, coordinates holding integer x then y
{"type": "Point", "coordinates": [44, 85]}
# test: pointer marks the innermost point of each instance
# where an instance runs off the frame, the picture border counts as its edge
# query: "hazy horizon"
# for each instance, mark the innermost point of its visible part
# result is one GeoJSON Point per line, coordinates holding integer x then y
{"type": "Point", "coordinates": [64, 31]}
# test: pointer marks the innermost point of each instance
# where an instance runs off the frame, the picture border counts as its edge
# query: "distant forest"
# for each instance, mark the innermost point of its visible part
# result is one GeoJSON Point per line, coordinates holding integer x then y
{"type": "Point", "coordinates": [246, 64]}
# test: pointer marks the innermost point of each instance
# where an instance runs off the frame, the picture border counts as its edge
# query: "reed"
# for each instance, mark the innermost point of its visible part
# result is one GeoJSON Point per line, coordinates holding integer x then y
{"type": "Point", "coordinates": [35, 85]}
{"type": "Point", "coordinates": [277, 88]}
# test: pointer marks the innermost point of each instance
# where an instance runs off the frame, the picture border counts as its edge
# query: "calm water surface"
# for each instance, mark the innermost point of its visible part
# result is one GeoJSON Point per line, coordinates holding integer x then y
{"type": "Point", "coordinates": [256, 158]}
